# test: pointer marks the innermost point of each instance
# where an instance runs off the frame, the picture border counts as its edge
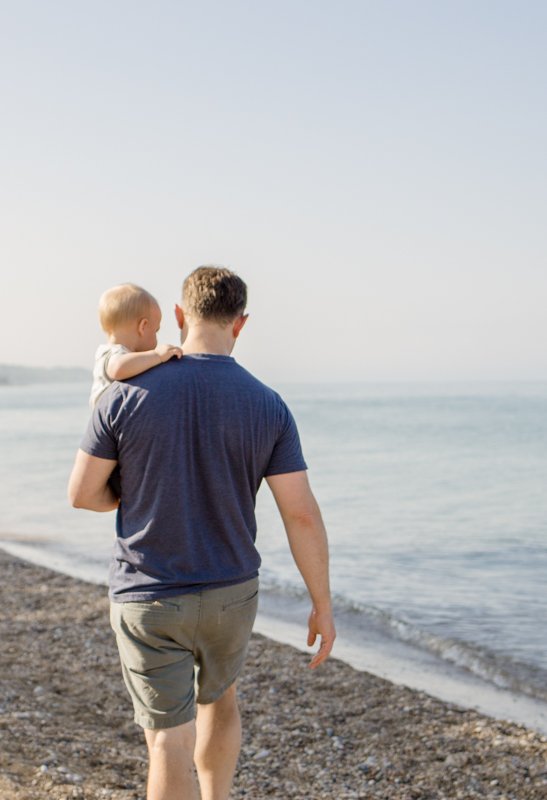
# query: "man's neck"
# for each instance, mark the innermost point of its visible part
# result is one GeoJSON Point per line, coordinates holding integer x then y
{"type": "Point", "coordinates": [208, 338]}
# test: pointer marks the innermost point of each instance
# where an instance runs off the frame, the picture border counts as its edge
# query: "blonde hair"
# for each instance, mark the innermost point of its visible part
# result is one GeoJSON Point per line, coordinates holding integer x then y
{"type": "Point", "coordinates": [214, 293]}
{"type": "Point", "coordinates": [122, 304]}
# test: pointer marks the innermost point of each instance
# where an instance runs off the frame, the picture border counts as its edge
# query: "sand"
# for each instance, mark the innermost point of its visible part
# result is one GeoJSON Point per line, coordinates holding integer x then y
{"type": "Point", "coordinates": [66, 726]}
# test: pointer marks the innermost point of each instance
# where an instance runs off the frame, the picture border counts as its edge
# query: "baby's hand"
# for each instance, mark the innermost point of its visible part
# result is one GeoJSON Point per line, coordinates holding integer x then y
{"type": "Point", "coordinates": [167, 351]}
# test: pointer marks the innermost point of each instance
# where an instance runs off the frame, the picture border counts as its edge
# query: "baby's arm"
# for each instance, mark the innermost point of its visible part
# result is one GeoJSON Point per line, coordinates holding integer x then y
{"type": "Point", "coordinates": [130, 364]}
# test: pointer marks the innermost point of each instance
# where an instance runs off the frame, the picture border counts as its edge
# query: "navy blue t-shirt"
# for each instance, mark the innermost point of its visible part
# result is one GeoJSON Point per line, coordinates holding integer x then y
{"type": "Point", "coordinates": [193, 439]}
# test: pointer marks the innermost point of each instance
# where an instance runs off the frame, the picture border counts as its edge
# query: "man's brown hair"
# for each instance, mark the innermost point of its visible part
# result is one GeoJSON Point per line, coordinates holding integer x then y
{"type": "Point", "coordinates": [214, 293]}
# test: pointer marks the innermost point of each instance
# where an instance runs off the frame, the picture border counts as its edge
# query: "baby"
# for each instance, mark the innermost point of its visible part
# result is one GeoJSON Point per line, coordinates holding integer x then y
{"type": "Point", "coordinates": [131, 318]}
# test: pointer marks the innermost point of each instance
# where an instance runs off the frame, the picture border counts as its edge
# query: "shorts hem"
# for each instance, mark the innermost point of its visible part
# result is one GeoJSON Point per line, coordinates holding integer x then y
{"type": "Point", "coordinates": [151, 724]}
{"type": "Point", "coordinates": [212, 698]}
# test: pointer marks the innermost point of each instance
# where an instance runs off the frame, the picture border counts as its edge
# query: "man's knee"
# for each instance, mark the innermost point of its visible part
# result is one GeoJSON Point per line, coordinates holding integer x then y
{"type": "Point", "coordinates": [165, 740]}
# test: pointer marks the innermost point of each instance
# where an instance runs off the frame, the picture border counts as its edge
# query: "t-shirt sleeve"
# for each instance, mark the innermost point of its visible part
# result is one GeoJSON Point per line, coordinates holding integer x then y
{"type": "Point", "coordinates": [111, 355]}
{"type": "Point", "coordinates": [287, 453]}
{"type": "Point", "coordinates": [100, 439]}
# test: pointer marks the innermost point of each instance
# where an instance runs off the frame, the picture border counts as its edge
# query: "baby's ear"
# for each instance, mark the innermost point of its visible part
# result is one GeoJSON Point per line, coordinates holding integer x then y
{"type": "Point", "coordinates": [142, 325]}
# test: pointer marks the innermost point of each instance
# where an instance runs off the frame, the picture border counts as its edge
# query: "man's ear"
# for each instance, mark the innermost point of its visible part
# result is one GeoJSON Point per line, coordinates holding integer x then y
{"type": "Point", "coordinates": [179, 314]}
{"type": "Point", "coordinates": [238, 324]}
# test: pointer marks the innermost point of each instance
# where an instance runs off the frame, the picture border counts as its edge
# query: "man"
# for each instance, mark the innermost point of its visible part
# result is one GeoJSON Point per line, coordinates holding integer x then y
{"type": "Point", "coordinates": [187, 444]}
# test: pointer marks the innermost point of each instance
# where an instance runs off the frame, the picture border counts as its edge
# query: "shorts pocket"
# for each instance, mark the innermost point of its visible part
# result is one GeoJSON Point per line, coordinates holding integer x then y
{"type": "Point", "coordinates": [150, 605]}
{"type": "Point", "coordinates": [240, 602]}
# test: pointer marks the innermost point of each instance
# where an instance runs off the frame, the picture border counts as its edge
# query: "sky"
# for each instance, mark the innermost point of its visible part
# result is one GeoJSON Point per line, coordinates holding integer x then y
{"type": "Point", "coordinates": [374, 170]}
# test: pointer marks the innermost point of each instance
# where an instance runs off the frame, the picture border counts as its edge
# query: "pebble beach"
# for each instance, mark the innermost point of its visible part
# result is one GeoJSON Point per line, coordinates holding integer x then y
{"type": "Point", "coordinates": [66, 728]}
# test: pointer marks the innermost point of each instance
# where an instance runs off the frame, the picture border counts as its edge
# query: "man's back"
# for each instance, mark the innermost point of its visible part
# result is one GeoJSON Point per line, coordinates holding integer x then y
{"type": "Point", "coordinates": [193, 440]}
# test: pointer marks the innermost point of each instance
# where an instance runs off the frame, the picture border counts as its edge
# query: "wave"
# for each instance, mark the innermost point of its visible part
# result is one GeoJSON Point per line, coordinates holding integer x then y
{"type": "Point", "coordinates": [362, 621]}
{"type": "Point", "coordinates": [359, 622]}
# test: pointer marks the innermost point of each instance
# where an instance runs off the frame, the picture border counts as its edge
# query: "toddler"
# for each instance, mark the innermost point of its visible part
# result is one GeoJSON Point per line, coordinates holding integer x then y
{"type": "Point", "coordinates": [131, 318]}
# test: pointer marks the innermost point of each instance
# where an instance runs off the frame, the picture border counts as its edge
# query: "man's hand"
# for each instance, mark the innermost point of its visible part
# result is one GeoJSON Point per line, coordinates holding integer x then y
{"type": "Point", "coordinates": [321, 624]}
{"type": "Point", "coordinates": [167, 351]}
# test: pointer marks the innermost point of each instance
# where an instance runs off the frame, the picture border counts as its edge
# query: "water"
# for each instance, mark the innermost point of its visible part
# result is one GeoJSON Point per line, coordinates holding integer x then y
{"type": "Point", "coordinates": [434, 497]}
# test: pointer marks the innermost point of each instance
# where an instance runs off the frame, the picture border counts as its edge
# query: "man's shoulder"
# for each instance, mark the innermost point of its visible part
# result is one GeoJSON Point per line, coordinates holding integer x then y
{"type": "Point", "coordinates": [169, 382]}
{"type": "Point", "coordinates": [225, 371]}
{"type": "Point", "coordinates": [111, 399]}
{"type": "Point", "coordinates": [258, 389]}
{"type": "Point", "coordinates": [255, 382]}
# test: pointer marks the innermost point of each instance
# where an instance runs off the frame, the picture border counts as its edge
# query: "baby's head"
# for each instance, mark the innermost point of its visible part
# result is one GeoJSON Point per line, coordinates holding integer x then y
{"type": "Point", "coordinates": [131, 316]}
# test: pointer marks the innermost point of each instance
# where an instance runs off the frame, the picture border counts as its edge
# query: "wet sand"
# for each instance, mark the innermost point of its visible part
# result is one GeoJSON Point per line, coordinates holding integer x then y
{"type": "Point", "coordinates": [66, 726]}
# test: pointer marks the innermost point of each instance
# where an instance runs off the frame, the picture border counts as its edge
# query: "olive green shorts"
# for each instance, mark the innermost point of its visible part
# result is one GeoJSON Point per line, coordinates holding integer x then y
{"type": "Point", "coordinates": [161, 642]}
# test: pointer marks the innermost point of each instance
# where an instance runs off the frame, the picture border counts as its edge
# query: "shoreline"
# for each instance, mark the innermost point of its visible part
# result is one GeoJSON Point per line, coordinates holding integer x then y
{"type": "Point", "coordinates": [365, 647]}
{"type": "Point", "coordinates": [66, 726]}
{"type": "Point", "coordinates": [451, 684]}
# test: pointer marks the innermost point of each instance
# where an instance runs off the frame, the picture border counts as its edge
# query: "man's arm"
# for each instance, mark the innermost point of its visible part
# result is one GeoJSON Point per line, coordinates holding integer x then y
{"type": "Point", "coordinates": [309, 546]}
{"type": "Point", "coordinates": [88, 486]}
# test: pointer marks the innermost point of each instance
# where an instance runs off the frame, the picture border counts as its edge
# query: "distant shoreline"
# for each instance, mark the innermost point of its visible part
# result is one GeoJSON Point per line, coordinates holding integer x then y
{"type": "Point", "coordinates": [18, 375]}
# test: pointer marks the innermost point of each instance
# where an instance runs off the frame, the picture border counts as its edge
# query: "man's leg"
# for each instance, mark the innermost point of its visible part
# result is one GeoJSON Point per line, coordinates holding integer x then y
{"type": "Point", "coordinates": [217, 745]}
{"type": "Point", "coordinates": [171, 775]}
